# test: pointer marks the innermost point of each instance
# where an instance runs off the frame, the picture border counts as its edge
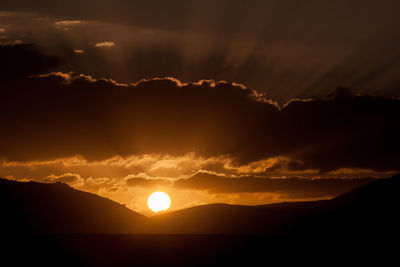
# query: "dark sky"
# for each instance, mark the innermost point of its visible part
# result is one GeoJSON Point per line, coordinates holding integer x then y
{"type": "Point", "coordinates": [202, 98]}
{"type": "Point", "coordinates": [284, 48]}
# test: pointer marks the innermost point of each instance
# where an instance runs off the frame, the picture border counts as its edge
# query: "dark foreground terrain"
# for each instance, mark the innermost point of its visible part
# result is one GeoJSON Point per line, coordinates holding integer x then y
{"type": "Point", "coordinates": [57, 225]}
{"type": "Point", "coordinates": [203, 250]}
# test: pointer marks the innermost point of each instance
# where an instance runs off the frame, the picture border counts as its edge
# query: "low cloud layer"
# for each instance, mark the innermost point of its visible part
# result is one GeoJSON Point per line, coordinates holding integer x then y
{"type": "Point", "coordinates": [291, 188]}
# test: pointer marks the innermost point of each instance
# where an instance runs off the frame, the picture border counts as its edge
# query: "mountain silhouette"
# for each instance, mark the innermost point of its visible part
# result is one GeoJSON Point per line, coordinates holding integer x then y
{"type": "Point", "coordinates": [366, 209]}
{"type": "Point", "coordinates": [31, 207]}
{"type": "Point", "coordinates": [357, 227]}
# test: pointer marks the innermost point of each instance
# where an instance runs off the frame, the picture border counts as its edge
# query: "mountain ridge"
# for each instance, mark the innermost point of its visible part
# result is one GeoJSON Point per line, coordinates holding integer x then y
{"type": "Point", "coordinates": [58, 208]}
{"type": "Point", "coordinates": [357, 210]}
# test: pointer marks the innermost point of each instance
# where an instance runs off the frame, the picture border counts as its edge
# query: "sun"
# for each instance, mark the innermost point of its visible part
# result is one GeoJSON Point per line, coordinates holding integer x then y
{"type": "Point", "coordinates": [158, 201]}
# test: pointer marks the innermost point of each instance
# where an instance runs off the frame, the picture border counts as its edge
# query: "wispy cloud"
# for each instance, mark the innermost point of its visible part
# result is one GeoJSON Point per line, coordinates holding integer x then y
{"type": "Point", "coordinates": [11, 42]}
{"type": "Point", "coordinates": [105, 44]}
{"type": "Point", "coordinates": [64, 23]}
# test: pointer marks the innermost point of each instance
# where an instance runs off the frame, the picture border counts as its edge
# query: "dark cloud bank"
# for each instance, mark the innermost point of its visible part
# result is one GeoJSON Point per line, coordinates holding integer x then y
{"type": "Point", "coordinates": [21, 60]}
{"type": "Point", "coordinates": [289, 187]}
{"type": "Point", "coordinates": [59, 115]}
{"type": "Point", "coordinates": [289, 48]}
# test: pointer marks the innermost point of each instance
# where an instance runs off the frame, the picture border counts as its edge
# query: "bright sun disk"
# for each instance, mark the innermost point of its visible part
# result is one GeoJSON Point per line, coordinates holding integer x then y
{"type": "Point", "coordinates": [158, 201]}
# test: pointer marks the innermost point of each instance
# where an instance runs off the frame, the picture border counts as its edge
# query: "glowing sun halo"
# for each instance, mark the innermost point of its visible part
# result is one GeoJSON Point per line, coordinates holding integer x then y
{"type": "Point", "coordinates": [158, 201]}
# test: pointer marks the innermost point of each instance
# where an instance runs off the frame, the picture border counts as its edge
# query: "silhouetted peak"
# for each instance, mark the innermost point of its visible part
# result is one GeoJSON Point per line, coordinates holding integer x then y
{"type": "Point", "coordinates": [14, 182]}
{"type": "Point", "coordinates": [380, 190]}
{"type": "Point", "coordinates": [61, 184]}
{"type": "Point", "coordinates": [340, 92]}
{"type": "Point", "coordinates": [397, 176]}
{"type": "Point", "coordinates": [59, 208]}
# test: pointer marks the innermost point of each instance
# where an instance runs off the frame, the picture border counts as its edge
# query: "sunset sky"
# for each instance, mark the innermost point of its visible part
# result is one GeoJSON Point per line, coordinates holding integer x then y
{"type": "Point", "coordinates": [233, 101]}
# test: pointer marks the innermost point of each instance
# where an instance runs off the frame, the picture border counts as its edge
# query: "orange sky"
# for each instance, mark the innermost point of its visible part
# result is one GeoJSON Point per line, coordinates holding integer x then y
{"type": "Point", "coordinates": [210, 101]}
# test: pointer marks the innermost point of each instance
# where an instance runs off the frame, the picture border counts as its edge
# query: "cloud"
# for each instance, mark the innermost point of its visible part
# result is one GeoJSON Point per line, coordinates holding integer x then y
{"type": "Point", "coordinates": [61, 115]}
{"type": "Point", "coordinates": [290, 187]}
{"type": "Point", "coordinates": [66, 24]}
{"type": "Point", "coordinates": [11, 42]}
{"type": "Point", "coordinates": [79, 51]}
{"type": "Point", "coordinates": [20, 60]}
{"type": "Point", "coordinates": [143, 180]}
{"type": "Point", "coordinates": [69, 178]}
{"type": "Point", "coordinates": [104, 44]}
{"type": "Point", "coordinates": [313, 56]}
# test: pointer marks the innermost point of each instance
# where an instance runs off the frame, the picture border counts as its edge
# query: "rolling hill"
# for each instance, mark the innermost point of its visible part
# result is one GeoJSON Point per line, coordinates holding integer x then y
{"type": "Point", "coordinates": [31, 207]}
{"type": "Point", "coordinates": [57, 208]}
{"type": "Point", "coordinates": [369, 208]}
